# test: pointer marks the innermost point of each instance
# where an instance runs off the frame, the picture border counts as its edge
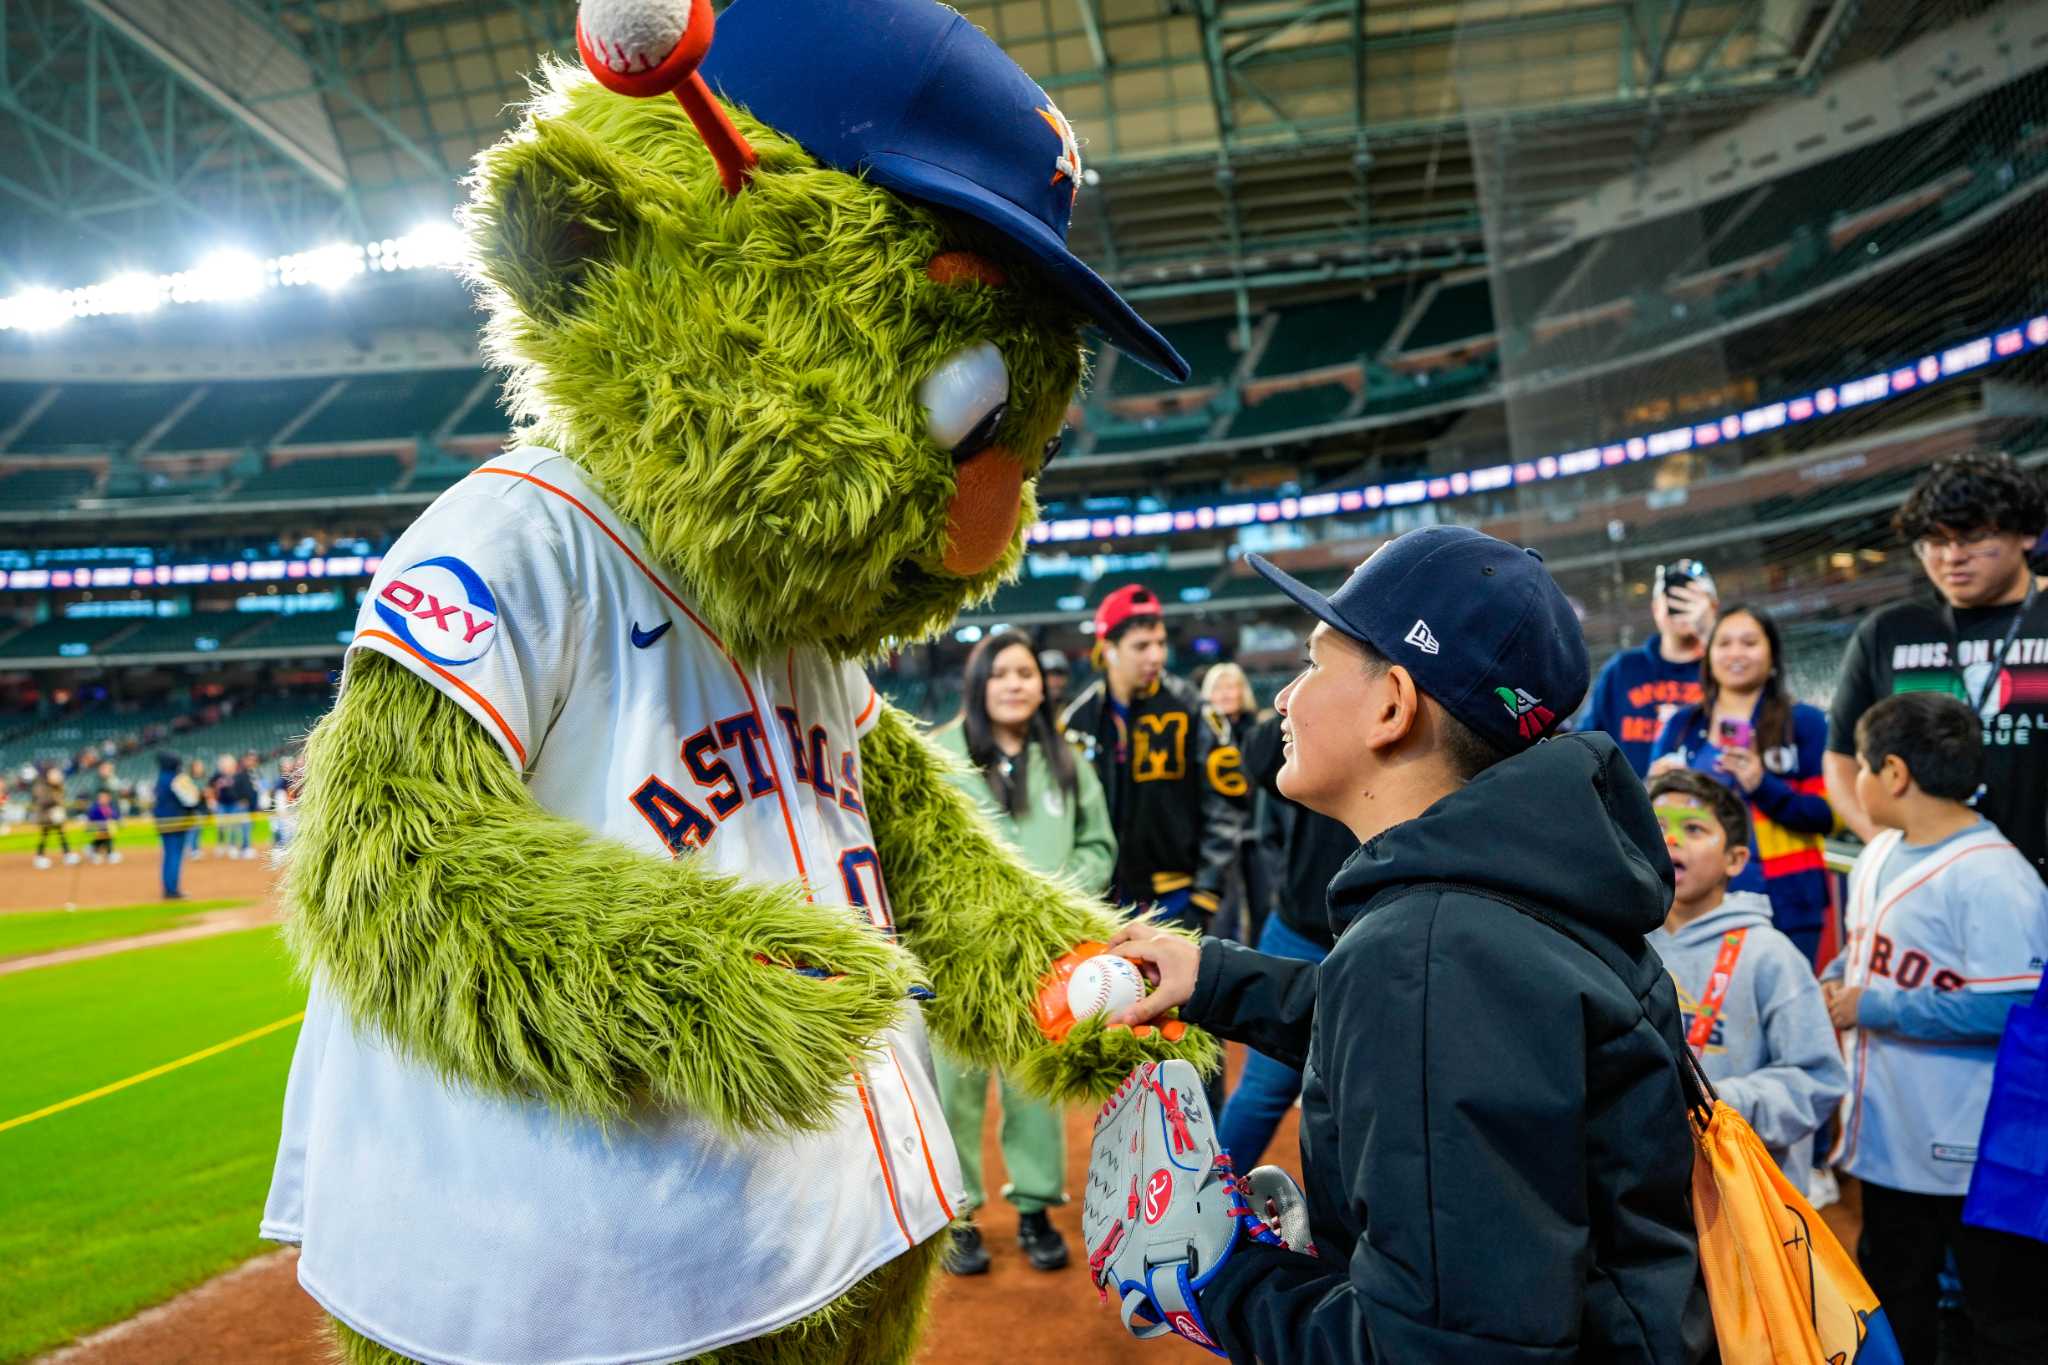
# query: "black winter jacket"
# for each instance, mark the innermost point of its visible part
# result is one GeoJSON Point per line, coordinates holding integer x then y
{"type": "Point", "coordinates": [1493, 1128]}
{"type": "Point", "coordinates": [1177, 797]}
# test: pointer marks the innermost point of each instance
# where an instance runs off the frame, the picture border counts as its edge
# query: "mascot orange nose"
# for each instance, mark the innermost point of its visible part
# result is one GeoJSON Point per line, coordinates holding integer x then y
{"type": "Point", "coordinates": [983, 514]}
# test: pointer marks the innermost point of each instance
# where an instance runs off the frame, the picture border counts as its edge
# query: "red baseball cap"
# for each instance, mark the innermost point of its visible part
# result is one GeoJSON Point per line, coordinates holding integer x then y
{"type": "Point", "coordinates": [1132, 599]}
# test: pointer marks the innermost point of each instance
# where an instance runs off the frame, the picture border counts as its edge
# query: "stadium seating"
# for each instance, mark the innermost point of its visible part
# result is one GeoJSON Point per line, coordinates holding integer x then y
{"type": "Point", "coordinates": [379, 406]}
{"type": "Point", "coordinates": [1317, 335]}
{"type": "Point", "coordinates": [67, 638]}
{"type": "Point", "coordinates": [241, 413]}
{"type": "Point", "coordinates": [201, 632]}
{"type": "Point", "coordinates": [24, 487]}
{"type": "Point", "coordinates": [323, 630]}
{"type": "Point", "coordinates": [323, 476]}
{"type": "Point", "coordinates": [1207, 346]}
{"type": "Point", "coordinates": [1459, 312]}
{"type": "Point", "coordinates": [1292, 410]}
{"type": "Point", "coordinates": [98, 416]}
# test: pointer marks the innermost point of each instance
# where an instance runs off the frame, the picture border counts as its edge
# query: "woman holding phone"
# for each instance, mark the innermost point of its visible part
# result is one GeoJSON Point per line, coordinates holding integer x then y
{"type": "Point", "coordinates": [1749, 733]}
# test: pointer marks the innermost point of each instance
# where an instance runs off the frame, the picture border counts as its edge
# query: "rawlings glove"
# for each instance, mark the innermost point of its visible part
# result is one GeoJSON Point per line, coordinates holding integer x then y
{"type": "Point", "coordinates": [1164, 1210]}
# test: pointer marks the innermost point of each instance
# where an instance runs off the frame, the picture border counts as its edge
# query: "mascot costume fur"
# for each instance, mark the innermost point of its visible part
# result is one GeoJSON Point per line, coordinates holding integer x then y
{"type": "Point", "coordinates": [625, 900]}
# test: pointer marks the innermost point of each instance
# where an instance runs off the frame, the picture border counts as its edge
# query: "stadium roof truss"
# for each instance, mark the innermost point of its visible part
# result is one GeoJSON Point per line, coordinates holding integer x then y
{"type": "Point", "coordinates": [1236, 146]}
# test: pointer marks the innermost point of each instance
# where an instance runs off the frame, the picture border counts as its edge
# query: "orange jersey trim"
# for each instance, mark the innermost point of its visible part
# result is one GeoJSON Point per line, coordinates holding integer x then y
{"type": "Point", "coordinates": [781, 787]}
{"type": "Point", "coordinates": [882, 1158]}
{"type": "Point", "coordinates": [874, 698]}
{"type": "Point", "coordinates": [453, 681]}
{"type": "Point", "coordinates": [931, 1167]}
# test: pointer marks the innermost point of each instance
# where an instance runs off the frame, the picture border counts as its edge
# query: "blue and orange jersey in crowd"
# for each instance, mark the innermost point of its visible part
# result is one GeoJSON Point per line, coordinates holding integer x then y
{"type": "Point", "coordinates": [1789, 816]}
{"type": "Point", "coordinates": [1636, 694]}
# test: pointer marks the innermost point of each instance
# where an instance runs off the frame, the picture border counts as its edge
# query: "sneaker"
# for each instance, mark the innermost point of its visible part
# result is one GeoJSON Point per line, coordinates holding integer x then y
{"type": "Point", "coordinates": [71, 860]}
{"type": "Point", "coordinates": [1041, 1241]}
{"type": "Point", "coordinates": [42, 861]}
{"type": "Point", "coordinates": [93, 858]}
{"type": "Point", "coordinates": [967, 1256]}
{"type": "Point", "coordinates": [115, 856]}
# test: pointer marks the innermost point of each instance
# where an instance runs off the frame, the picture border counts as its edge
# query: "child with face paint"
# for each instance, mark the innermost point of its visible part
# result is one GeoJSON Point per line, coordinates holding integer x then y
{"type": "Point", "coordinates": [1753, 1011]}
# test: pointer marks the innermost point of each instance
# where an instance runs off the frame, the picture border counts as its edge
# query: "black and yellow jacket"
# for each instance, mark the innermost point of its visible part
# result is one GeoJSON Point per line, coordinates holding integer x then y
{"type": "Point", "coordinates": [1177, 796]}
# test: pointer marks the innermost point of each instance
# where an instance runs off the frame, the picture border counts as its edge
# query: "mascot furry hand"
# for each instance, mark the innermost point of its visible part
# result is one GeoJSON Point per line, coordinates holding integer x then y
{"type": "Point", "coordinates": [615, 878]}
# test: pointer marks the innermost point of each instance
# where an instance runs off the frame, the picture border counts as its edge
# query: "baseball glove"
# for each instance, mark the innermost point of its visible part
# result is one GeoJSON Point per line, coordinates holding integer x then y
{"type": "Point", "coordinates": [1164, 1210]}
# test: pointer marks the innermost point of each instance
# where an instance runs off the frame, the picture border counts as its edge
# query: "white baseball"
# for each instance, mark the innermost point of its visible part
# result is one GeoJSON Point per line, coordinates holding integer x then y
{"type": "Point", "coordinates": [1103, 984]}
{"type": "Point", "coordinates": [632, 36]}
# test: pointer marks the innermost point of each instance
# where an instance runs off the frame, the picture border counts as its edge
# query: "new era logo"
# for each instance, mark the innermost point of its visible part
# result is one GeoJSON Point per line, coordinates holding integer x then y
{"type": "Point", "coordinates": [1419, 636]}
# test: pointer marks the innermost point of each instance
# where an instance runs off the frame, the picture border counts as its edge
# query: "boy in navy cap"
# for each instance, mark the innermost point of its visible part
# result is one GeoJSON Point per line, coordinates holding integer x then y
{"type": "Point", "coordinates": [1493, 1128]}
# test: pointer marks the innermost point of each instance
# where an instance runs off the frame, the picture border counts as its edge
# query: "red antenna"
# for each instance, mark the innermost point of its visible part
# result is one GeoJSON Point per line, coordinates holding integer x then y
{"type": "Point", "coordinates": [645, 48]}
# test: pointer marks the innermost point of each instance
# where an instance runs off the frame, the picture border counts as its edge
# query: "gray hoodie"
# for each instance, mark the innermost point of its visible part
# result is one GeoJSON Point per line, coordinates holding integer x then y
{"type": "Point", "coordinates": [1773, 1055]}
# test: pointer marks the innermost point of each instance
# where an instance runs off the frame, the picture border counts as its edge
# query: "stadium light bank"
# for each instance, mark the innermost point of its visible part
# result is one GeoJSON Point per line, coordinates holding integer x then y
{"type": "Point", "coordinates": [231, 275]}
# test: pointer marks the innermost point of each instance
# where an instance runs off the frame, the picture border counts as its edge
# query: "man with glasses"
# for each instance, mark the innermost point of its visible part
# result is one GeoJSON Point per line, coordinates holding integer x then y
{"type": "Point", "coordinates": [1972, 522]}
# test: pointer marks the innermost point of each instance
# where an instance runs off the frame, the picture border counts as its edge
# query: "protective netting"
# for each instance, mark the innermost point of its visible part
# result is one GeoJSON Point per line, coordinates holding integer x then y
{"type": "Point", "coordinates": [1762, 327]}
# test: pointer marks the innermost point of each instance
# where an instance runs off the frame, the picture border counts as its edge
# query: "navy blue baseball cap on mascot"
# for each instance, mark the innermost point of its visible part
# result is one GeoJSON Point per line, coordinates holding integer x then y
{"type": "Point", "coordinates": [1478, 623]}
{"type": "Point", "coordinates": [912, 96]}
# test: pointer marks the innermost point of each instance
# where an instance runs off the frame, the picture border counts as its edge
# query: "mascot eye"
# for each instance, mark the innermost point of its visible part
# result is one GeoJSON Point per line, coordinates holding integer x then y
{"type": "Point", "coordinates": [966, 398]}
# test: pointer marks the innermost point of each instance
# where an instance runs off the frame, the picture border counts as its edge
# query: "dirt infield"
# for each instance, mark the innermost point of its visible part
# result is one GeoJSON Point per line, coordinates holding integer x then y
{"type": "Point", "coordinates": [258, 1315]}
{"type": "Point", "coordinates": [202, 926]}
{"type": "Point", "coordinates": [132, 881]}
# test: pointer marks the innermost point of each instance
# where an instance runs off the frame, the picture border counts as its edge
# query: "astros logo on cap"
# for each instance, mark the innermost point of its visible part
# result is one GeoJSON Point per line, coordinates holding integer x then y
{"type": "Point", "coordinates": [1067, 165]}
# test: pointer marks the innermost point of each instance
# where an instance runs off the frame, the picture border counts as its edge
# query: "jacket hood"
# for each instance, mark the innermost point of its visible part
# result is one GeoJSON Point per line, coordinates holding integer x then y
{"type": "Point", "coordinates": [1566, 825]}
{"type": "Point", "coordinates": [1741, 910]}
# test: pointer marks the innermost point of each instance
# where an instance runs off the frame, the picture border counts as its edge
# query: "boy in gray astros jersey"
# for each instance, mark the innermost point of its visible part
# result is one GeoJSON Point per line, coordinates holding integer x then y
{"type": "Point", "coordinates": [1948, 927]}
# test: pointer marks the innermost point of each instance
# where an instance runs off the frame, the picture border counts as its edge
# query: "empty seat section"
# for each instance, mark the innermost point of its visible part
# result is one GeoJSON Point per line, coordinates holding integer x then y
{"type": "Point", "coordinates": [1206, 346]}
{"type": "Point", "coordinates": [1292, 410]}
{"type": "Point", "coordinates": [61, 639]}
{"type": "Point", "coordinates": [25, 487]}
{"type": "Point", "coordinates": [326, 476]}
{"type": "Point", "coordinates": [312, 630]}
{"type": "Point", "coordinates": [1633, 260]}
{"type": "Point", "coordinates": [376, 406]}
{"type": "Point", "coordinates": [202, 631]}
{"type": "Point", "coordinates": [1459, 312]}
{"type": "Point", "coordinates": [1527, 286]}
{"type": "Point", "coordinates": [99, 416]}
{"type": "Point", "coordinates": [16, 400]}
{"type": "Point", "coordinates": [1333, 333]}
{"type": "Point", "coordinates": [487, 418]}
{"type": "Point", "coordinates": [1148, 438]}
{"type": "Point", "coordinates": [241, 412]}
{"type": "Point", "coordinates": [1035, 595]}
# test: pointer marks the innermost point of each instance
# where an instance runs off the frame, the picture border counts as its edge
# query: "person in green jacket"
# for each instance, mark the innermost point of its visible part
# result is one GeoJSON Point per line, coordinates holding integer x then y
{"type": "Point", "coordinates": [1050, 807]}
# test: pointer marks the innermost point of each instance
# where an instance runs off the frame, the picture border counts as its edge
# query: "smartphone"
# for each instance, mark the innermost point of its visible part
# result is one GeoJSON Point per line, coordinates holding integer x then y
{"type": "Point", "coordinates": [1736, 734]}
{"type": "Point", "coordinates": [1679, 573]}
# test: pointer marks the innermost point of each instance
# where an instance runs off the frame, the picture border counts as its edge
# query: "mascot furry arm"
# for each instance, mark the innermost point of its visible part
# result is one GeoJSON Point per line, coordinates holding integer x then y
{"type": "Point", "coordinates": [515, 949]}
{"type": "Point", "coordinates": [985, 926]}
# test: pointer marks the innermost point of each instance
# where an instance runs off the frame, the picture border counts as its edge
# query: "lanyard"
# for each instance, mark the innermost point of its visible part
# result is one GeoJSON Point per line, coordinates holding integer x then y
{"type": "Point", "coordinates": [1716, 992]}
{"type": "Point", "coordinates": [2012, 632]}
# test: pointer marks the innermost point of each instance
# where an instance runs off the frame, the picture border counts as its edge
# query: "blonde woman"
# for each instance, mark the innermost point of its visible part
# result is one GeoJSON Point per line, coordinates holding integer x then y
{"type": "Point", "coordinates": [1229, 692]}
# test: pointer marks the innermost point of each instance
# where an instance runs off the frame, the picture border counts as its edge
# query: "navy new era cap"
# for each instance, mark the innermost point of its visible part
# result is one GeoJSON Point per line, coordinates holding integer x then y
{"type": "Point", "coordinates": [1480, 625]}
{"type": "Point", "coordinates": [910, 95]}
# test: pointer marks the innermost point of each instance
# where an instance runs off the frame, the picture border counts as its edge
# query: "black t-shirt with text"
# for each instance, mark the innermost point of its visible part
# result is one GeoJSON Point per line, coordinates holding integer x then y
{"type": "Point", "coordinates": [1911, 647]}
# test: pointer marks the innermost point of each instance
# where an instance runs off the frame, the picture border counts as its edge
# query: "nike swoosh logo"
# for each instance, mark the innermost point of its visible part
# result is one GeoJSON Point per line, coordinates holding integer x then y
{"type": "Point", "coordinates": [643, 638]}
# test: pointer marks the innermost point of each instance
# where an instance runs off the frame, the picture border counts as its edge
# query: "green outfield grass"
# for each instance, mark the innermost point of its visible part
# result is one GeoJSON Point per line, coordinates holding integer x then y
{"type": "Point", "coordinates": [45, 931]}
{"type": "Point", "coordinates": [136, 833]}
{"type": "Point", "coordinates": [126, 1200]}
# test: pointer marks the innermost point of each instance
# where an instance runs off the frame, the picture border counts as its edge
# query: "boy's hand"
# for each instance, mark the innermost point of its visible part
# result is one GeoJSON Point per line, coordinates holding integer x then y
{"type": "Point", "coordinates": [1842, 1001]}
{"type": "Point", "coordinates": [1670, 763]}
{"type": "Point", "coordinates": [1169, 963]}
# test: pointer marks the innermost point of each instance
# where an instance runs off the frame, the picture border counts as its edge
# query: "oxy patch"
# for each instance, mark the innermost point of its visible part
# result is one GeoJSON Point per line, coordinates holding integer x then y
{"type": "Point", "coordinates": [442, 608]}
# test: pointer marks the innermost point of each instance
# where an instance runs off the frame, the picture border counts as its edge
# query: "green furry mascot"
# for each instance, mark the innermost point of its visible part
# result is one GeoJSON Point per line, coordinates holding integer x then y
{"type": "Point", "coordinates": [626, 901]}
